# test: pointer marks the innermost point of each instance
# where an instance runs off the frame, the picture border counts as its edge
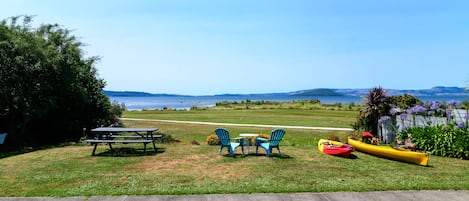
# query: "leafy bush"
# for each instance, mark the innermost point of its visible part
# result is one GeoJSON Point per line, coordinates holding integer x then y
{"type": "Point", "coordinates": [334, 137]}
{"type": "Point", "coordinates": [212, 139]}
{"type": "Point", "coordinates": [447, 141]}
{"type": "Point", "coordinates": [404, 101]}
{"type": "Point", "coordinates": [49, 90]}
{"type": "Point", "coordinates": [264, 135]}
{"type": "Point", "coordinates": [165, 139]}
{"type": "Point", "coordinates": [374, 105]}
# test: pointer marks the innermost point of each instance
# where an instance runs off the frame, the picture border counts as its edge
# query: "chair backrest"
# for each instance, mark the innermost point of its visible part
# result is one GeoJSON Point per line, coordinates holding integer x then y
{"type": "Point", "coordinates": [223, 136]}
{"type": "Point", "coordinates": [2, 137]}
{"type": "Point", "coordinates": [276, 136]}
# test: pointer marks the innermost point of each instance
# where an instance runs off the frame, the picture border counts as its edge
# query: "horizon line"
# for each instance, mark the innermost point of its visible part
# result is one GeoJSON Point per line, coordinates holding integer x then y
{"type": "Point", "coordinates": [260, 93]}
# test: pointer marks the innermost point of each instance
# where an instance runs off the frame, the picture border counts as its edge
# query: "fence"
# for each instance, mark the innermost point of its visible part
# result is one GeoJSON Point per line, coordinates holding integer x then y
{"type": "Point", "coordinates": [388, 129]}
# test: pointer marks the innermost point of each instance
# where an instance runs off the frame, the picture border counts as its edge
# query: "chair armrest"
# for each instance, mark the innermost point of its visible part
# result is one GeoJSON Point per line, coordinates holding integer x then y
{"type": "Point", "coordinates": [241, 140]}
{"type": "Point", "coordinates": [261, 139]}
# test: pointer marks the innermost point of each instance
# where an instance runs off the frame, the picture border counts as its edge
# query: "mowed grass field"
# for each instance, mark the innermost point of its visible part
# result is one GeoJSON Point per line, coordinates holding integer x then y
{"type": "Point", "coordinates": [190, 166]}
{"type": "Point", "coordinates": [290, 117]}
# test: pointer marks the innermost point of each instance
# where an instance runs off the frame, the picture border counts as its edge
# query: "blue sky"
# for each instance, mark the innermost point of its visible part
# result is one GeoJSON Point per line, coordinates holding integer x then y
{"type": "Point", "coordinates": [208, 47]}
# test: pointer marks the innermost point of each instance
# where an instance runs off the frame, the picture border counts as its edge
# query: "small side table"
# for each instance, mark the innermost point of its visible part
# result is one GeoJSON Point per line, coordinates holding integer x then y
{"type": "Point", "coordinates": [247, 139]}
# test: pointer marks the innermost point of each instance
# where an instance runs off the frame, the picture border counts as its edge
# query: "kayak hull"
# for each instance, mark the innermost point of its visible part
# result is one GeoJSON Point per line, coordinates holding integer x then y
{"type": "Point", "coordinates": [334, 148]}
{"type": "Point", "coordinates": [391, 153]}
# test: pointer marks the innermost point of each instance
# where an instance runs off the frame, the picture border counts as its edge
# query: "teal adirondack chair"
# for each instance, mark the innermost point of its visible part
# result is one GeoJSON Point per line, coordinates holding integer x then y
{"type": "Point", "coordinates": [226, 141]}
{"type": "Point", "coordinates": [268, 144]}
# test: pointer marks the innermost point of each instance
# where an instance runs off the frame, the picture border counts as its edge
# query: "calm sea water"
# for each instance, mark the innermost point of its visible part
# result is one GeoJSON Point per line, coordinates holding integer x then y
{"type": "Point", "coordinates": [186, 102]}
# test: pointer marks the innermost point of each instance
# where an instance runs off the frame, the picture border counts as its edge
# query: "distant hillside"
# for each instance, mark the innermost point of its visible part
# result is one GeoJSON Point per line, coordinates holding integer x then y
{"type": "Point", "coordinates": [435, 91]}
{"type": "Point", "coordinates": [316, 92]}
{"type": "Point", "coordinates": [438, 91]}
{"type": "Point", "coordinates": [133, 94]}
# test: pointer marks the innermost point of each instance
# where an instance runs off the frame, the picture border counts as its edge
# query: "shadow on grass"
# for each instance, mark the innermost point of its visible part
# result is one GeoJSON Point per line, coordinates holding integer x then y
{"type": "Point", "coordinates": [274, 155]}
{"type": "Point", "coordinates": [8, 151]}
{"type": "Point", "coordinates": [130, 152]}
{"type": "Point", "coordinates": [353, 156]}
{"type": "Point", "coordinates": [283, 156]}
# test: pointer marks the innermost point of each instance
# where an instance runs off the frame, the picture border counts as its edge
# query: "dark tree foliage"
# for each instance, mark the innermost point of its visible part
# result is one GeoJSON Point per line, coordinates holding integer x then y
{"type": "Point", "coordinates": [374, 105]}
{"type": "Point", "coordinates": [48, 91]}
{"type": "Point", "coordinates": [404, 101]}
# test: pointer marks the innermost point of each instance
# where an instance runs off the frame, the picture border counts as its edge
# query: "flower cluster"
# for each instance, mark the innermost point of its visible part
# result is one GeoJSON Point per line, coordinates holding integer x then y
{"type": "Point", "coordinates": [403, 116]}
{"type": "Point", "coordinates": [435, 106]}
{"type": "Point", "coordinates": [463, 124]}
{"type": "Point", "coordinates": [418, 109]}
{"type": "Point", "coordinates": [383, 119]}
{"type": "Point", "coordinates": [452, 103]}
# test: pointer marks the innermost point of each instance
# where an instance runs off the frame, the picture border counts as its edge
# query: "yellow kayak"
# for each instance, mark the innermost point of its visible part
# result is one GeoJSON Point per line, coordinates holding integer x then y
{"type": "Point", "coordinates": [391, 153]}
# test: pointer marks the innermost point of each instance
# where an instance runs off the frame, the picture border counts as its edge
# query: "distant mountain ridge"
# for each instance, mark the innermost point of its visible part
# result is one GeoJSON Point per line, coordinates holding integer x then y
{"type": "Point", "coordinates": [316, 92]}
{"type": "Point", "coordinates": [435, 91]}
{"type": "Point", "coordinates": [134, 94]}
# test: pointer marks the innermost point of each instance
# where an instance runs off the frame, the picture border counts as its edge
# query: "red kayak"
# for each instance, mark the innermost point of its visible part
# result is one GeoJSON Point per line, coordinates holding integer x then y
{"type": "Point", "coordinates": [335, 148]}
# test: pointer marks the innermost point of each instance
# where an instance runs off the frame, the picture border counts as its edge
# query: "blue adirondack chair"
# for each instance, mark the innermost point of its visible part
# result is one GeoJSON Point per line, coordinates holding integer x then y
{"type": "Point", "coordinates": [226, 141]}
{"type": "Point", "coordinates": [2, 137]}
{"type": "Point", "coordinates": [268, 144]}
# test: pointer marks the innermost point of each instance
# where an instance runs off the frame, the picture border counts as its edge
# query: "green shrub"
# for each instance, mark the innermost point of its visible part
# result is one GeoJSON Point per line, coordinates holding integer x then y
{"type": "Point", "coordinates": [264, 135]}
{"type": "Point", "coordinates": [447, 141]}
{"type": "Point", "coordinates": [334, 137]}
{"type": "Point", "coordinates": [49, 88]}
{"type": "Point", "coordinates": [165, 139]}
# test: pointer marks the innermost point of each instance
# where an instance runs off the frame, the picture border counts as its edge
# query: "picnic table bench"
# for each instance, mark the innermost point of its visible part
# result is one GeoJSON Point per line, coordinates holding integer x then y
{"type": "Point", "coordinates": [111, 135]}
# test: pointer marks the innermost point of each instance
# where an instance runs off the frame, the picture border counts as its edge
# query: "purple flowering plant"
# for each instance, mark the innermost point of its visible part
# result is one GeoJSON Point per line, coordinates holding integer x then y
{"type": "Point", "coordinates": [418, 109]}
{"type": "Point", "coordinates": [452, 103]}
{"type": "Point", "coordinates": [461, 125]}
{"type": "Point", "coordinates": [383, 119]}
{"type": "Point", "coordinates": [435, 106]}
{"type": "Point", "coordinates": [403, 116]}
{"type": "Point", "coordinates": [464, 124]}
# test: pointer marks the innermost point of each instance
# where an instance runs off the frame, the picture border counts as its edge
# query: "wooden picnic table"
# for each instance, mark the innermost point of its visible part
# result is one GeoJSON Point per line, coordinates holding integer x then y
{"type": "Point", "coordinates": [110, 135]}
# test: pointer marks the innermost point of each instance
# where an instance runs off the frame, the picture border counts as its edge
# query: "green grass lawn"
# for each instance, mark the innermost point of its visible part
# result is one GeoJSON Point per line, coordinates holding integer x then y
{"type": "Point", "coordinates": [186, 168]}
{"type": "Point", "coordinates": [291, 117]}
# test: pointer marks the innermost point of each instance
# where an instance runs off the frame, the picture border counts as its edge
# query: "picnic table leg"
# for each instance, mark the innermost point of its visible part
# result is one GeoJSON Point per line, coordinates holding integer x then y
{"type": "Point", "coordinates": [110, 146]}
{"type": "Point", "coordinates": [94, 149]}
{"type": "Point", "coordinates": [144, 148]}
{"type": "Point", "coordinates": [150, 135]}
